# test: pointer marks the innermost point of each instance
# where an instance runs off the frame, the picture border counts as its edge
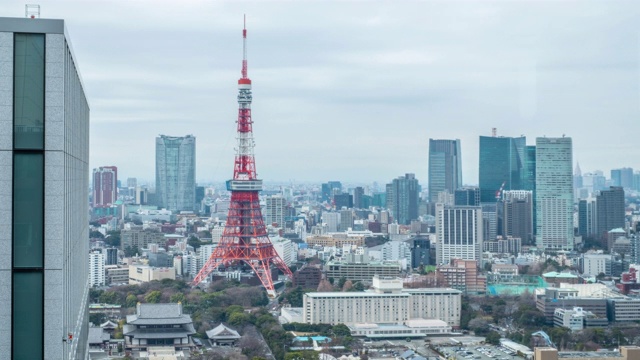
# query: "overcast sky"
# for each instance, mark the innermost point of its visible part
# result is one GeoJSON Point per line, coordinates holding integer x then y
{"type": "Point", "coordinates": [353, 91]}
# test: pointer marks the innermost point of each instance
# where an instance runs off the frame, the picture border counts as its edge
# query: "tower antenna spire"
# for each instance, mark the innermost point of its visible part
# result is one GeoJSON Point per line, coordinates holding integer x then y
{"type": "Point", "coordinates": [244, 48]}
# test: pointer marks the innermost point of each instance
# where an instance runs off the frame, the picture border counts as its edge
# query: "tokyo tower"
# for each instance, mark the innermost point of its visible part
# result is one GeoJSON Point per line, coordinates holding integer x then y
{"type": "Point", "coordinates": [245, 237]}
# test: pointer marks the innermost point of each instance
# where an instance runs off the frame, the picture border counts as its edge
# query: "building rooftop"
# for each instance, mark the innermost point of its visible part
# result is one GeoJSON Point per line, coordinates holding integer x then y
{"type": "Point", "coordinates": [556, 274]}
{"type": "Point", "coordinates": [159, 314]}
{"type": "Point", "coordinates": [588, 354]}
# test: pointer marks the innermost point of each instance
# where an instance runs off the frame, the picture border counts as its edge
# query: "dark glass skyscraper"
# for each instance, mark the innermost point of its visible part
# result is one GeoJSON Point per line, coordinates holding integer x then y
{"type": "Point", "coordinates": [445, 169]}
{"type": "Point", "coordinates": [403, 198]}
{"type": "Point", "coordinates": [502, 160]}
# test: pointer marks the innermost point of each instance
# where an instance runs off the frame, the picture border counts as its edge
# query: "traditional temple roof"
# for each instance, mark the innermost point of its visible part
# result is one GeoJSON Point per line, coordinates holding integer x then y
{"type": "Point", "coordinates": [97, 335]}
{"type": "Point", "coordinates": [159, 314]}
{"type": "Point", "coordinates": [222, 332]}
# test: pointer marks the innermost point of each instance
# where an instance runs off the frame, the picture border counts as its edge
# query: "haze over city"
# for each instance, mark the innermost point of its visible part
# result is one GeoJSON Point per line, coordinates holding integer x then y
{"type": "Point", "coordinates": [354, 89]}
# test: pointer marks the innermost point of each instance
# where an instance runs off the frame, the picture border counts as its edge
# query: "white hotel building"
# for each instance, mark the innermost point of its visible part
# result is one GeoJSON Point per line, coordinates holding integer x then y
{"type": "Point", "coordinates": [387, 303]}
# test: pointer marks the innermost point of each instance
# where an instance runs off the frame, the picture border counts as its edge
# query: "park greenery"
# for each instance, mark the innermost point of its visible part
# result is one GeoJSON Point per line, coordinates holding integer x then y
{"type": "Point", "coordinates": [238, 305]}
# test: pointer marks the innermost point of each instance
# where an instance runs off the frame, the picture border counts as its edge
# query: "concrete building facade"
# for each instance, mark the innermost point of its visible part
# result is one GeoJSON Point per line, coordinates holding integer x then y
{"type": "Point", "coordinates": [176, 172]}
{"type": "Point", "coordinates": [44, 177]}
{"type": "Point", "coordinates": [387, 303]}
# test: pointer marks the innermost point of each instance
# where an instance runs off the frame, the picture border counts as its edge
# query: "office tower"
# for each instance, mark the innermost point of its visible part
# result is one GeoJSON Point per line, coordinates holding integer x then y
{"type": "Point", "coordinates": [420, 252]}
{"type": "Point", "coordinates": [610, 210]}
{"type": "Point", "coordinates": [469, 196]}
{"type": "Point", "coordinates": [110, 256]}
{"type": "Point", "coordinates": [490, 224]}
{"type": "Point", "coordinates": [176, 172]}
{"type": "Point", "coordinates": [403, 198]}
{"type": "Point", "coordinates": [554, 193]}
{"type": "Point", "coordinates": [332, 219]}
{"type": "Point", "coordinates": [502, 161]}
{"type": "Point", "coordinates": [199, 196]}
{"type": "Point", "coordinates": [329, 189]}
{"type": "Point", "coordinates": [343, 201]}
{"type": "Point", "coordinates": [346, 220]}
{"type": "Point", "coordinates": [622, 177]}
{"type": "Point", "coordinates": [517, 214]}
{"type": "Point", "coordinates": [358, 198]}
{"type": "Point", "coordinates": [445, 167]}
{"type": "Point", "coordinates": [529, 177]}
{"type": "Point", "coordinates": [594, 181]}
{"type": "Point", "coordinates": [96, 269]}
{"type": "Point", "coordinates": [132, 182]}
{"type": "Point", "coordinates": [44, 177]}
{"type": "Point", "coordinates": [459, 233]}
{"type": "Point", "coordinates": [636, 181]}
{"type": "Point", "coordinates": [274, 210]}
{"type": "Point", "coordinates": [577, 177]}
{"type": "Point", "coordinates": [379, 199]}
{"type": "Point", "coordinates": [105, 186]}
{"type": "Point", "coordinates": [587, 217]}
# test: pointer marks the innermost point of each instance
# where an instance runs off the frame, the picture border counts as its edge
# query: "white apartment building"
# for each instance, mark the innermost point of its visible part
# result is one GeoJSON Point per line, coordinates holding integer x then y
{"type": "Point", "coordinates": [397, 250]}
{"type": "Point", "coordinates": [274, 210]}
{"type": "Point", "coordinates": [387, 303]}
{"type": "Point", "coordinates": [594, 264]}
{"type": "Point", "coordinates": [459, 233]}
{"type": "Point", "coordinates": [286, 249]}
{"type": "Point", "coordinates": [96, 269]}
{"type": "Point", "coordinates": [332, 219]}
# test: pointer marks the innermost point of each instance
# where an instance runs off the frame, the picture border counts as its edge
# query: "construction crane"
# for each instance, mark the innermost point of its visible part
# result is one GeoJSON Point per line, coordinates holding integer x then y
{"type": "Point", "coordinates": [499, 192]}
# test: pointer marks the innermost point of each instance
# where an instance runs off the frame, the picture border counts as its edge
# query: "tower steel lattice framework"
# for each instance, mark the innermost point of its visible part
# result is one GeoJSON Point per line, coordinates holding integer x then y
{"type": "Point", "coordinates": [245, 237]}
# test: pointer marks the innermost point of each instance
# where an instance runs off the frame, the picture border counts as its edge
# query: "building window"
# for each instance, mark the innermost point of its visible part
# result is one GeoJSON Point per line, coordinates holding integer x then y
{"type": "Point", "coordinates": [28, 89]}
{"type": "Point", "coordinates": [28, 318]}
{"type": "Point", "coordinates": [28, 216]}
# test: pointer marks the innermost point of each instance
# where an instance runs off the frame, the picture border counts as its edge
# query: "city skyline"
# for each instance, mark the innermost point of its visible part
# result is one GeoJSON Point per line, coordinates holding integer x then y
{"type": "Point", "coordinates": [330, 83]}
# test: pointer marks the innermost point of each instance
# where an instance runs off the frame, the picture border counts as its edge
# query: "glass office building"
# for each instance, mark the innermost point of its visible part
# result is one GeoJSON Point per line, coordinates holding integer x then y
{"type": "Point", "coordinates": [445, 167]}
{"type": "Point", "coordinates": [502, 160]}
{"type": "Point", "coordinates": [554, 193]}
{"type": "Point", "coordinates": [44, 177]}
{"type": "Point", "coordinates": [176, 172]}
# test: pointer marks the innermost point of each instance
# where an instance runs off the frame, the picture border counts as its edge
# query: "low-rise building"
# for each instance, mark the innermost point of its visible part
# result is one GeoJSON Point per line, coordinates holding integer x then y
{"type": "Point", "coordinates": [413, 328]}
{"type": "Point", "coordinates": [576, 319]}
{"type": "Point", "coordinates": [362, 271]}
{"type": "Point", "coordinates": [387, 303]}
{"type": "Point", "coordinates": [116, 274]}
{"type": "Point", "coordinates": [624, 353]}
{"type": "Point", "coordinates": [463, 275]}
{"type": "Point", "coordinates": [623, 310]}
{"type": "Point", "coordinates": [554, 277]}
{"type": "Point", "coordinates": [159, 325]}
{"type": "Point", "coordinates": [139, 274]}
{"type": "Point", "coordinates": [308, 277]}
{"type": "Point", "coordinates": [334, 240]}
{"type": "Point", "coordinates": [554, 298]}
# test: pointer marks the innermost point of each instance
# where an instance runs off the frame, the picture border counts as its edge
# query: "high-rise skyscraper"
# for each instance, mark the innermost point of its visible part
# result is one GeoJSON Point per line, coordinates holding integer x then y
{"type": "Point", "coordinates": [358, 197]}
{"type": "Point", "coordinates": [622, 177]}
{"type": "Point", "coordinates": [274, 210]}
{"type": "Point", "coordinates": [403, 197]}
{"type": "Point", "coordinates": [44, 177]}
{"type": "Point", "coordinates": [517, 215]}
{"type": "Point", "coordinates": [176, 172]}
{"type": "Point", "coordinates": [587, 217]}
{"type": "Point", "coordinates": [459, 233]}
{"type": "Point", "coordinates": [610, 211]}
{"type": "Point", "coordinates": [329, 189]}
{"type": "Point", "coordinates": [502, 161]}
{"type": "Point", "coordinates": [445, 167]}
{"type": "Point", "coordinates": [469, 196]}
{"type": "Point", "coordinates": [105, 186]}
{"type": "Point", "coordinates": [554, 193]}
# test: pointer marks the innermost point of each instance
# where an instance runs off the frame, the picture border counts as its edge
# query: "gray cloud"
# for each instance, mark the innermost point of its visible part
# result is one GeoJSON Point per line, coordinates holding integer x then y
{"type": "Point", "coordinates": [354, 90]}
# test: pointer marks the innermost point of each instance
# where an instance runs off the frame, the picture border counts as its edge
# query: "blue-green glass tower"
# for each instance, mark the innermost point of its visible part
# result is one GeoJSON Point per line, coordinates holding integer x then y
{"type": "Point", "coordinates": [502, 160]}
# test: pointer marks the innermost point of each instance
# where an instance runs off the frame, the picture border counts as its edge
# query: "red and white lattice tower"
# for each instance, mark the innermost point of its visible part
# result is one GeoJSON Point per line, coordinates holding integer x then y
{"type": "Point", "coordinates": [245, 237]}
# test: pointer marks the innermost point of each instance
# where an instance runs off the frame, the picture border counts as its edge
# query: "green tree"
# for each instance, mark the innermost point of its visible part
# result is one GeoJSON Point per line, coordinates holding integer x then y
{"type": "Point", "coordinates": [177, 297]}
{"type": "Point", "coordinates": [131, 301]}
{"type": "Point", "coordinates": [493, 338]}
{"type": "Point", "coordinates": [341, 330]}
{"type": "Point", "coordinates": [153, 297]}
{"type": "Point", "coordinates": [97, 319]}
{"type": "Point", "coordinates": [96, 235]}
{"type": "Point", "coordinates": [112, 239]}
{"type": "Point", "coordinates": [109, 297]}
{"type": "Point", "coordinates": [131, 251]}
{"type": "Point", "coordinates": [233, 309]}
{"type": "Point", "coordinates": [194, 241]}
{"type": "Point", "coordinates": [239, 318]}
{"type": "Point", "coordinates": [341, 282]}
{"type": "Point", "coordinates": [302, 355]}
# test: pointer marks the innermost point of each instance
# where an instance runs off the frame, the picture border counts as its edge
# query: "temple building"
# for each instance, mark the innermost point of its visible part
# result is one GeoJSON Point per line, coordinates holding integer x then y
{"type": "Point", "coordinates": [159, 325]}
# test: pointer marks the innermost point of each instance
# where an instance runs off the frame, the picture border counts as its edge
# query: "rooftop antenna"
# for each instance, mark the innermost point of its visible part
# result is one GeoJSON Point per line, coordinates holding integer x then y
{"type": "Point", "coordinates": [244, 48]}
{"type": "Point", "coordinates": [32, 11]}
